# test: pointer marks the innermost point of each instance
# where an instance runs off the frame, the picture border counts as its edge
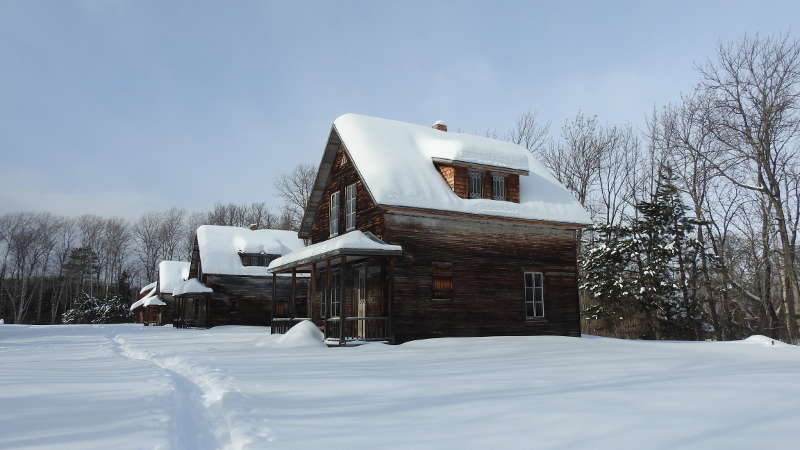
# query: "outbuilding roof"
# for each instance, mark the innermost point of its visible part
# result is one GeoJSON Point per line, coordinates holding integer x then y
{"type": "Point", "coordinates": [171, 274]}
{"type": "Point", "coordinates": [221, 246]}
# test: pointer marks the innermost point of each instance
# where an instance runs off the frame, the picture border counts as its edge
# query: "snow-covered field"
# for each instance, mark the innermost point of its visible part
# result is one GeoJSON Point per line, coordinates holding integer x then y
{"type": "Point", "coordinates": [128, 386]}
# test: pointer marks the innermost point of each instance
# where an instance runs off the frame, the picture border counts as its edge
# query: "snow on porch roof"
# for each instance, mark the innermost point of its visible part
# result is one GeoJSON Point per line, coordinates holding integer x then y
{"type": "Point", "coordinates": [355, 243]}
{"type": "Point", "coordinates": [220, 247]}
{"type": "Point", "coordinates": [395, 160]}
{"type": "Point", "coordinates": [191, 286]}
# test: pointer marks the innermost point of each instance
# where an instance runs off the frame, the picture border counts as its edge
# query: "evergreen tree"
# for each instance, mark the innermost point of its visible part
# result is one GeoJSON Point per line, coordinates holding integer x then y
{"type": "Point", "coordinates": [663, 243]}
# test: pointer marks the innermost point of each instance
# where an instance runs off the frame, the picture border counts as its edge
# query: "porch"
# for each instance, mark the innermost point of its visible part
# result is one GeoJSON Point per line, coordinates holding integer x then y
{"type": "Point", "coordinates": [349, 295]}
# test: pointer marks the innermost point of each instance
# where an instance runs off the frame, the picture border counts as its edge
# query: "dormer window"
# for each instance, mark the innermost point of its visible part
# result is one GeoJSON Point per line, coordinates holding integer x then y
{"type": "Point", "coordinates": [475, 183]}
{"type": "Point", "coordinates": [256, 259]}
{"type": "Point", "coordinates": [498, 186]}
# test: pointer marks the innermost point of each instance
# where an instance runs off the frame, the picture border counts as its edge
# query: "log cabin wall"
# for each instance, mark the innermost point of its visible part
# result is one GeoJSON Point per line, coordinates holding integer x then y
{"type": "Point", "coordinates": [168, 312]}
{"type": "Point", "coordinates": [488, 259]}
{"type": "Point", "coordinates": [368, 216]}
{"type": "Point", "coordinates": [242, 300]}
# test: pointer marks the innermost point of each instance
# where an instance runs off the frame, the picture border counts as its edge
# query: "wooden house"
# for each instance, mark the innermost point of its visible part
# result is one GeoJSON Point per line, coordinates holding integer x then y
{"type": "Point", "coordinates": [228, 282]}
{"type": "Point", "coordinates": [417, 232]}
{"type": "Point", "coordinates": [171, 274]}
{"type": "Point", "coordinates": [150, 309]}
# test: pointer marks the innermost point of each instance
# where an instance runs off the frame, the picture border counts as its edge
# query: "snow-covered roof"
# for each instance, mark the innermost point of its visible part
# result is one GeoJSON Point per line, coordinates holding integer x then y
{"type": "Point", "coordinates": [220, 247]}
{"type": "Point", "coordinates": [355, 242]}
{"type": "Point", "coordinates": [395, 160]}
{"type": "Point", "coordinates": [149, 287]}
{"type": "Point", "coordinates": [171, 274]}
{"type": "Point", "coordinates": [151, 299]}
{"type": "Point", "coordinates": [191, 286]}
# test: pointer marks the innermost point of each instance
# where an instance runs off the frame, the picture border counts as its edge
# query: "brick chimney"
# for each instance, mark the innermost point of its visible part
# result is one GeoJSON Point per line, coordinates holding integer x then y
{"type": "Point", "coordinates": [253, 226]}
{"type": "Point", "coordinates": [440, 125]}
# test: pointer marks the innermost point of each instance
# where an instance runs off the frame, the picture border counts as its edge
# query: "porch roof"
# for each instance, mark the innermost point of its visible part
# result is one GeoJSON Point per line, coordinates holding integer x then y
{"type": "Point", "coordinates": [191, 287]}
{"type": "Point", "coordinates": [355, 243]}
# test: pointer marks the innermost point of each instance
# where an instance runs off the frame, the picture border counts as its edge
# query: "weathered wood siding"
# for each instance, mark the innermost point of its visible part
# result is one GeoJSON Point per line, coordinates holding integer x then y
{"type": "Point", "coordinates": [368, 217]}
{"type": "Point", "coordinates": [457, 177]}
{"type": "Point", "coordinates": [489, 258]}
{"type": "Point", "coordinates": [240, 300]}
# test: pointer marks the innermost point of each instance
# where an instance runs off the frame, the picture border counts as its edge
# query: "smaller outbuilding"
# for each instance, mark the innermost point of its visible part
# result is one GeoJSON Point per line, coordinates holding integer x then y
{"type": "Point", "coordinates": [149, 309]}
{"type": "Point", "coordinates": [228, 282]}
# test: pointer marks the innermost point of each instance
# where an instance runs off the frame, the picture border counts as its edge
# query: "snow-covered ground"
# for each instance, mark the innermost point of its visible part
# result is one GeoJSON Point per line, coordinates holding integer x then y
{"type": "Point", "coordinates": [128, 386]}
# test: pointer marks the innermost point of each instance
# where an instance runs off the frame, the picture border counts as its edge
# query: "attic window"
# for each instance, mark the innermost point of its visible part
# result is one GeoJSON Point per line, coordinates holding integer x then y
{"type": "Point", "coordinates": [256, 259]}
{"type": "Point", "coordinates": [475, 183]}
{"type": "Point", "coordinates": [498, 186]}
{"type": "Point", "coordinates": [344, 161]}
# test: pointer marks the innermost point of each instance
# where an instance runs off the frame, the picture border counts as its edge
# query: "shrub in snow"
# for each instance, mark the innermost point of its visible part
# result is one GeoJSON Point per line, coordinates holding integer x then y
{"type": "Point", "coordinates": [89, 309]}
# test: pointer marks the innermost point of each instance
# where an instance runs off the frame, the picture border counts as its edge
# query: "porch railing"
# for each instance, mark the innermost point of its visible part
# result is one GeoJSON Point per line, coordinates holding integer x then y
{"type": "Point", "coordinates": [281, 325]}
{"type": "Point", "coordinates": [356, 329]}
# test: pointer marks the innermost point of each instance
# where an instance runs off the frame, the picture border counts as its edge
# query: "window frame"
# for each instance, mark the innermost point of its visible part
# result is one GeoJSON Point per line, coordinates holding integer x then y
{"type": "Point", "coordinates": [335, 307]}
{"type": "Point", "coordinates": [475, 179]}
{"type": "Point", "coordinates": [533, 302]}
{"type": "Point", "coordinates": [350, 198]}
{"type": "Point", "coordinates": [333, 214]}
{"type": "Point", "coordinates": [498, 186]}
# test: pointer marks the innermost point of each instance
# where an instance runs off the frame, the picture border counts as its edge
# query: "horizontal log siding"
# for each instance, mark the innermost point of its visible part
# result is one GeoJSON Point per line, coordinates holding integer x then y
{"type": "Point", "coordinates": [241, 300]}
{"type": "Point", "coordinates": [489, 259]}
{"type": "Point", "coordinates": [368, 216]}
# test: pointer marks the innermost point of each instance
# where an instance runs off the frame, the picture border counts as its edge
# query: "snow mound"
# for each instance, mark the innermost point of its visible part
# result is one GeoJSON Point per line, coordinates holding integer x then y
{"type": "Point", "coordinates": [759, 339]}
{"type": "Point", "coordinates": [304, 334]}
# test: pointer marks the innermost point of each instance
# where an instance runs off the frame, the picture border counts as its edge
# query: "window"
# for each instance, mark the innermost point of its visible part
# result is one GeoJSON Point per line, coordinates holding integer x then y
{"type": "Point", "coordinates": [256, 259]}
{"type": "Point", "coordinates": [323, 307]}
{"type": "Point", "coordinates": [334, 214]}
{"type": "Point", "coordinates": [534, 295]}
{"type": "Point", "coordinates": [344, 161]}
{"type": "Point", "coordinates": [442, 280]}
{"type": "Point", "coordinates": [475, 184]}
{"type": "Point", "coordinates": [333, 294]}
{"type": "Point", "coordinates": [498, 186]}
{"type": "Point", "coordinates": [350, 206]}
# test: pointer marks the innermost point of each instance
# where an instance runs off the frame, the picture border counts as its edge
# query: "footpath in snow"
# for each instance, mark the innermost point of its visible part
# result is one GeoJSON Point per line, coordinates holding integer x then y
{"type": "Point", "coordinates": [134, 387]}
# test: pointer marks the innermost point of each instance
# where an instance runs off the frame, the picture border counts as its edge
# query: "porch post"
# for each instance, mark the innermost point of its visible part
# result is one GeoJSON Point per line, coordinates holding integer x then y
{"type": "Point", "coordinates": [312, 290]}
{"type": "Point", "coordinates": [292, 307]}
{"type": "Point", "coordinates": [390, 288]}
{"type": "Point", "coordinates": [274, 299]}
{"type": "Point", "coordinates": [342, 304]}
{"type": "Point", "coordinates": [328, 291]}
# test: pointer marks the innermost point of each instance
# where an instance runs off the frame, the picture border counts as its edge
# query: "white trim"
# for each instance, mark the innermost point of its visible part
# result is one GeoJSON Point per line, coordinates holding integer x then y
{"type": "Point", "coordinates": [498, 181]}
{"type": "Point", "coordinates": [473, 175]}
{"type": "Point", "coordinates": [350, 196]}
{"type": "Point", "coordinates": [533, 289]}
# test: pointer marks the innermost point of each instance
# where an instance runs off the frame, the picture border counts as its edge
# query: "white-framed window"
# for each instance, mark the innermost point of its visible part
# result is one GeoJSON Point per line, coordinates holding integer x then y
{"type": "Point", "coordinates": [534, 295]}
{"type": "Point", "coordinates": [350, 206]}
{"type": "Point", "coordinates": [333, 220]}
{"type": "Point", "coordinates": [475, 184]}
{"type": "Point", "coordinates": [333, 293]}
{"type": "Point", "coordinates": [498, 186]}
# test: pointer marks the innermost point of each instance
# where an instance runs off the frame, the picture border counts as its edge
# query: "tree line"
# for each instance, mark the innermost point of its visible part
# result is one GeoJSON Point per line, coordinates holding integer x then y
{"type": "Point", "coordinates": [695, 212]}
{"type": "Point", "coordinates": [51, 263]}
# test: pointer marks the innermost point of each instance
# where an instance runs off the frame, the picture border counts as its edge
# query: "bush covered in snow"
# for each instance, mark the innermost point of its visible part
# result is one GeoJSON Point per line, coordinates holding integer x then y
{"type": "Point", "coordinates": [90, 309]}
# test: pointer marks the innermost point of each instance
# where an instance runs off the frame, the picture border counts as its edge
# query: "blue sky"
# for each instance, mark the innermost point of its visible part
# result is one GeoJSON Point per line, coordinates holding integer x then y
{"type": "Point", "coordinates": [122, 107]}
